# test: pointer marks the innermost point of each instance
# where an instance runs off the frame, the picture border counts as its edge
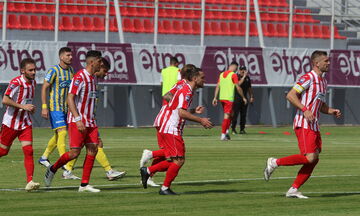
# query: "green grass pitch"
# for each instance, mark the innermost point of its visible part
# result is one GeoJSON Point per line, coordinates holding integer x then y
{"type": "Point", "coordinates": [218, 178]}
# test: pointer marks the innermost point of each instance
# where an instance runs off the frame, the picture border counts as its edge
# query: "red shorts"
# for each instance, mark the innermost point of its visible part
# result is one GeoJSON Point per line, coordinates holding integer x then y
{"type": "Point", "coordinates": [8, 135]}
{"type": "Point", "coordinates": [309, 141]}
{"type": "Point", "coordinates": [227, 106]}
{"type": "Point", "coordinates": [174, 146]}
{"type": "Point", "coordinates": [159, 138]}
{"type": "Point", "coordinates": [78, 139]}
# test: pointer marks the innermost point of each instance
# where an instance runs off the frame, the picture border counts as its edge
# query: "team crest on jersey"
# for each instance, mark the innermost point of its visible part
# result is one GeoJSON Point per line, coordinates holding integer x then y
{"type": "Point", "coordinates": [179, 87]}
{"type": "Point", "coordinates": [302, 80]}
{"type": "Point", "coordinates": [187, 98]}
{"type": "Point", "coordinates": [12, 86]}
{"type": "Point", "coordinates": [77, 82]}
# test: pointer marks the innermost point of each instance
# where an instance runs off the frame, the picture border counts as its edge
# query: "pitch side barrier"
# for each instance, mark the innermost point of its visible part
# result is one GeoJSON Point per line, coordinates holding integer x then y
{"type": "Point", "coordinates": [141, 64]}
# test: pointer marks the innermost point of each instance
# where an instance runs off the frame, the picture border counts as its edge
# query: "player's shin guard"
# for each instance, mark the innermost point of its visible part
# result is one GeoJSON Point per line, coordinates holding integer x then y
{"type": "Point", "coordinates": [28, 161]}
{"type": "Point", "coordinates": [50, 146]}
{"type": "Point", "coordinates": [61, 162]}
{"type": "Point", "coordinates": [304, 174]}
{"type": "Point", "coordinates": [171, 174]}
{"type": "Point", "coordinates": [3, 152]}
{"type": "Point", "coordinates": [160, 167]}
{"type": "Point", "coordinates": [292, 160]}
{"type": "Point", "coordinates": [102, 159]}
{"type": "Point", "coordinates": [88, 165]}
{"type": "Point", "coordinates": [225, 125]}
{"type": "Point", "coordinates": [61, 142]}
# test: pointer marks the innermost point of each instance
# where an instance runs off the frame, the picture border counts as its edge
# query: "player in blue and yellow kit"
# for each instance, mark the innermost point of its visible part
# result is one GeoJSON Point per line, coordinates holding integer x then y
{"type": "Point", "coordinates": [58, 79]}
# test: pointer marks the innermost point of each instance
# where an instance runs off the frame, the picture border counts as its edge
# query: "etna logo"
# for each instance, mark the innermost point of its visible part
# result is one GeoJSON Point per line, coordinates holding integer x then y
{"type": "Point", "coordinates": [349, 64]}
{"type": "Point", "coordinates": [154, 60]}
{"type": "Point", "coordinates": [290, 64]}
{"type": "Point", "coordinates": [10, 57]}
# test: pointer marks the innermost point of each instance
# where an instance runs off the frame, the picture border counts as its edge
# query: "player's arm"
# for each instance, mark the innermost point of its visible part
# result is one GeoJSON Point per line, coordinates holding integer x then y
{"type": "Point", "coordinates": [44, 108]}
{"type": "Point", "coordinates": [72, 108]}
{"type": "Point", "coordinates": [10, 102]}
{"type": "Point", "coordinates": [251, 95]}
{"type": "Point", "coordinates": [293, 98]}
{"type": "Point", "coordinates": [216, 93]}
{"type": "Point", "coordinates": [330, 111]}
{"type": "Point", "coordinates": [205, 122]}
{"type": "Point", "coordinates": [241, 81]}
{"type": "Point", "coordinates": [241, 93]}
{"type": "Point", "coordinates": [197, 110]}
{"type": "Point", "coordinates": [168, 96]}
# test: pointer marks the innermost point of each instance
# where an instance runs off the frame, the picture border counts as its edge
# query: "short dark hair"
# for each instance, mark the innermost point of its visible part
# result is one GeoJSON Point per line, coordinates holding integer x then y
{"type": "Point", "coordinates": [316, 54]}
{"type": "Point", "coordinates": [106, 63]}
{"type": "Point", "coordinates": [93, 53]}
{"type": "Point", "coordinates": [234, 63]}
{"type": "Point", "coordinates": [174, 60]}
{"type": "Point", "coordinates": [191, 73]}
{"type": "Point", "coordinates": [185, 70]}
{"type": "Point", "coordinates": [26, 61]}
{"type": "Point", "coordinates": [64, 49]}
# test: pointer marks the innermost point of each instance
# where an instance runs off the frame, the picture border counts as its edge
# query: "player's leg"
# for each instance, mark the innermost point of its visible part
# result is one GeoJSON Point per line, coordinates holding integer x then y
{"type": "Point", "coordinates": [171, 174]}
{"type": "Point", "coordinates": [6, 141]}
{"type": "Point", "coordinates": [104, 162]}
{"type": "Point", "coordinates": [25, 138]}
{"type": "Point", "coordinates": [236, 110]}
{"type": "Point", "coordinates": [91, 144]}
{"type": "Point", "coordinates": [227, 106]}
{"type": "Point", "coordinates": [243, 112]}
{"type": "Point", "coordinates": [43, 160]}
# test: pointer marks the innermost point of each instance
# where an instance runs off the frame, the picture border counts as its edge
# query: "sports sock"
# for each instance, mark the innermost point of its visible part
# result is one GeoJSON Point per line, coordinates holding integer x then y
{"type": "Point", "coordinates": [171, 174]}
{"type": "Point", "coordinates": [292, 160]}
{"type": "Point", "coordinates": [3, 152]}
{"type": "Point", "coordinates": [156, 161]}
{"type": "Point", "coordinates": [304, 174]}
{"type": "Point", "coordinates": [160, 167]}
{"type": "Point", "coordinates": [50, 146]}
{"type": "Point", "coordinates": [228, 123]}
{"type": "Point", "coordinates": [28, 161]}
{"type": "Point", "coordinates": [158, 153]}
{"type": "Point", "coordinates": [102, 159]}
{"type": "Point", "coordinates": [225, 125]}
{"type": "Point", "coordinates": [70, 165]}
{"type": "Point", "coordinates": [61, 142]}
{"type": "Point", "coordinates": [60, 162]}
{"type": "Point", "coordinates": [87, 168]}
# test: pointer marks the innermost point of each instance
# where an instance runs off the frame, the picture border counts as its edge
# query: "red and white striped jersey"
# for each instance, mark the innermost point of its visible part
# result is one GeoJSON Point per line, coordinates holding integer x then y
{"type": "Point", "coordinates": [21, 92]}
{"type": "Point", "coordinates": [173, 90]}
{"type": "Point", "coordinates": [83, 86]}
{"type": "Point", "coordinates": [312, 90]}
{"type": "Point", "coordinates": [168, 118]}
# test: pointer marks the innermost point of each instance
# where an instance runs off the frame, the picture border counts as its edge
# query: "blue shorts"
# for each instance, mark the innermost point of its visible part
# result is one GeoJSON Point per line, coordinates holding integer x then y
{"type": "Point", "coordinates": [58, 119]}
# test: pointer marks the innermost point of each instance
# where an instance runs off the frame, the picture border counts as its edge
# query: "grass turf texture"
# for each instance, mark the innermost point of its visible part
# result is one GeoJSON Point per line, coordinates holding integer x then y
{"type": "Point", "coordinates": [218, 178]}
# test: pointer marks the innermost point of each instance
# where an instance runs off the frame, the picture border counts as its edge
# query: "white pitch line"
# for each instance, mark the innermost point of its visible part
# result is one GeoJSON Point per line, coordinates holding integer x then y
{"type": "Point", "coordinates": [181, 182]}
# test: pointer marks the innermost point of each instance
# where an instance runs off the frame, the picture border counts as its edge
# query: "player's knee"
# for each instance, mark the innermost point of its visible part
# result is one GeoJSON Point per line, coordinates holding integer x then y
{"type": "Point", "coordinates": [312, 158]}
{"type": "Point", "coordinates": [74, 153]}
{"type": "Point", "coordinates": [179, 161]}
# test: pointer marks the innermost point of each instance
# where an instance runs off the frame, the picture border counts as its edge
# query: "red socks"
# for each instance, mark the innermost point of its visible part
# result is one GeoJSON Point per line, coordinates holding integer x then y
{"type": "Point", "coordinates": [304, 174]}
{"type": "Point", "coordinates": [87, 168]}
{"type": "Point", "coordinates": [225, 125]}
{"type": "Point", "coordinates": [160, 167]}
{"type": "Point", "coordinates": [60, 162]}
{"type": "Point", "coordinates": [171, 174]}
{"type": "Point", "coordinates": [28, 161]}
{"type": "Point", "coordinates": [158, 153]}
{"type": "Point", "coordinates": [292, 160]}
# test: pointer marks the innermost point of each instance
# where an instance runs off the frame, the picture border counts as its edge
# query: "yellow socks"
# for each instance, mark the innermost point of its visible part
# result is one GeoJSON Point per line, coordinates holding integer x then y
{"type": "Point", "coordinates": [102, 159]}
{"type": "Point", "coordinates": [50, 146]}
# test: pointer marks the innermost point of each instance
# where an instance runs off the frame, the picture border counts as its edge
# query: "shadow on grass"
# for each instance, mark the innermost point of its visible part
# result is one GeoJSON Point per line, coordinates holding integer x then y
{"type": "Point", "coordinates": [208, 183]}
{"type": "Point", "coordinates": [340, 194]}
{"type": "Point", "coordinates": [212, 191]}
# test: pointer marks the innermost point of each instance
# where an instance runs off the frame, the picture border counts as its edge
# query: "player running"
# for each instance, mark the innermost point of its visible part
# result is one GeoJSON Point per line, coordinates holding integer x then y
{"type": "Point", "coordinates": [227, 82]}
{"type": "Point", "coordinates": [171, 126]}
{"type": "Point", "coordinates": [308, 96]}
{"type": "Point", "coordinates": [82, 125]}
{"type": "Point", "coordinates": [58, 79]}
{"type": "Point", "coordinates": [17, 120]}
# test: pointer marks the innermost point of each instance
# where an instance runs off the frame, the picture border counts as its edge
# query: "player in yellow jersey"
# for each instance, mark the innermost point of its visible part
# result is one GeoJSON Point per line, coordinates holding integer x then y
{"type": "Point", "coordinates": [170, 76]}
{"type": "Point", "coordinates": [57, 79]}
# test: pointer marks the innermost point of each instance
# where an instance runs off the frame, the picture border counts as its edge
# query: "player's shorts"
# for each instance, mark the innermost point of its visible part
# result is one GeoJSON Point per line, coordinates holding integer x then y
{"type": "Point", "coordinates": [160, 139]}
{"type": "Point", "coordinates": [78, 139]}
{"type": "Point", "coordinates": [58, 119]}
{"type": "Point", "coordinates": [227, 106]}
{"type": "Point", "coordinates": [309, 141]}
{"type": "Point", "coordinates": [8, 135]}
{"type": "Point", "coordinates": [174, 146]}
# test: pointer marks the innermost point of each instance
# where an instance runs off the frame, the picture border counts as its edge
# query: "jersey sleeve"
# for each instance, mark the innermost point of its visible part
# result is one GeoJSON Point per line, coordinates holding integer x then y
{"type": "Point", "coordinates": [184, 100]}
{"type": "Point", "coordinates": [235, 78]}
{"type": "Point", "coordinates": [76, 84]}
{"type": "Point", "coordinates": [12, 88]}
{"type": "Point", "coordinates": [50, 75]}
{"type": "Point", "coordinates": [179, 76]}
{"type": "Point", "coordinates": [302, 84]}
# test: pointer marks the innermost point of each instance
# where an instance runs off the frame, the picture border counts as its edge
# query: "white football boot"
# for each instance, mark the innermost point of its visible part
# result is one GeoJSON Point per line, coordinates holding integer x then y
{"type": "Point", "coordinates": [113, 174]}
{"type": "Point", "coordinates": [294, 193]}
{"type": "Point", "coordinates": [88, 188]}
{"type": "Point", "coordinates": [146, 156]}
{"type": "Point", "coordinates": [32, 186]}
{"type": "Point", "coordinates": [69, 175]}
{"type": "Point", "coordinates": [269, 168]}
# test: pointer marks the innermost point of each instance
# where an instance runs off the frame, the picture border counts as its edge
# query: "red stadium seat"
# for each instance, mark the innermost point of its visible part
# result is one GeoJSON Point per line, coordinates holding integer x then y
{"type": "Point", "coordinates": [207, 30]}
{"type": "Point", "coordinates": [298, 31]}
{"type": "Point", "coordinates": [24, 22]}
{"type": "Point", "coordinates": [326, 32]}
{"type": "Point", "coordinates": [242, 28]}
{"type": "Point", "coordinates": [138, 26]}
{"type": "Point", "coordinates": [309, 18]}
{"type": "Point", "coordinates": [281, 30]}
{"type": "Point", "coordinates": [215, 28]}
{"type": "Point", "coordinates": [13, 22]}
{"type": "Point", "coordinates": [226, 14]}
{"type": "Point", "coordinates": [337, 35]}
{"type": "Point", "coordinates": [196, 27]}
{"type": "Point", "coordinates": [168, 12]}
{"type": "Point", "coordinates": [65, 24]}
{"type": "Point", "coordinates": [148, 26]}
{"type": "Point", "coordinates": [179, 13]}
{"type": "Point", "coordinates": [273, 16]}
{"type": "Point", "coordinates": [264, 15]}
{"type": "Point", "coordinates": [113, 25]}
{"type": "Point", "coordinates": [35, 22]}
{"type": "Point", "coordinates": [317, 31]}
{"type": "Point", "coordinates": [46, 23]}
{"type": "Point", "coordinates": [197, 12]}
{"type": "Point", "coordinates": [189, 12]}
{"type": "Point", "coordinates": [50, 7]}
{"type": "Point", "coordinates": [298, 17]}
{"type": "Point", "coordinates": [78, 24]}
{"type": "Point", "coordinates": [253, 29]}
{"type": "Point", "coordinates": [29, 7]}
{"type": "Point", "coordinates": [186, 26]}
{"type": "Point", "coordinates": [234, 29]}
{"type": "Point", "coordinates": [224, 27]}
{"type": "Point", "coordinates": [209, 14]}
{"type": "Point", "coordinates": [236, 15]}
{"type": "Point", "coordinates": [150, 10]}
{"type": "Point", "coordinates": [283, 17]}
{"type": "Point", "coordinates": [177, 26]}
{"type": "Point", "coordinates": [88, 24]}
{"type": "Point", "coordinates": [308, 33]}
{"type": "Point", "coordinates": [39, 8]}
{"type": "Point", "coordinates": [63, 7]}
{"type": "Point", "coordinates": [271, 30]}
{"type": "Point", "coordinates": [99, 24]}
{"type": "Point", "coordinates": [17, 7]}
{"type": "Point", "coordinates": [91, 8]}
{"type": "Point", "coordinates": [128, 25]}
